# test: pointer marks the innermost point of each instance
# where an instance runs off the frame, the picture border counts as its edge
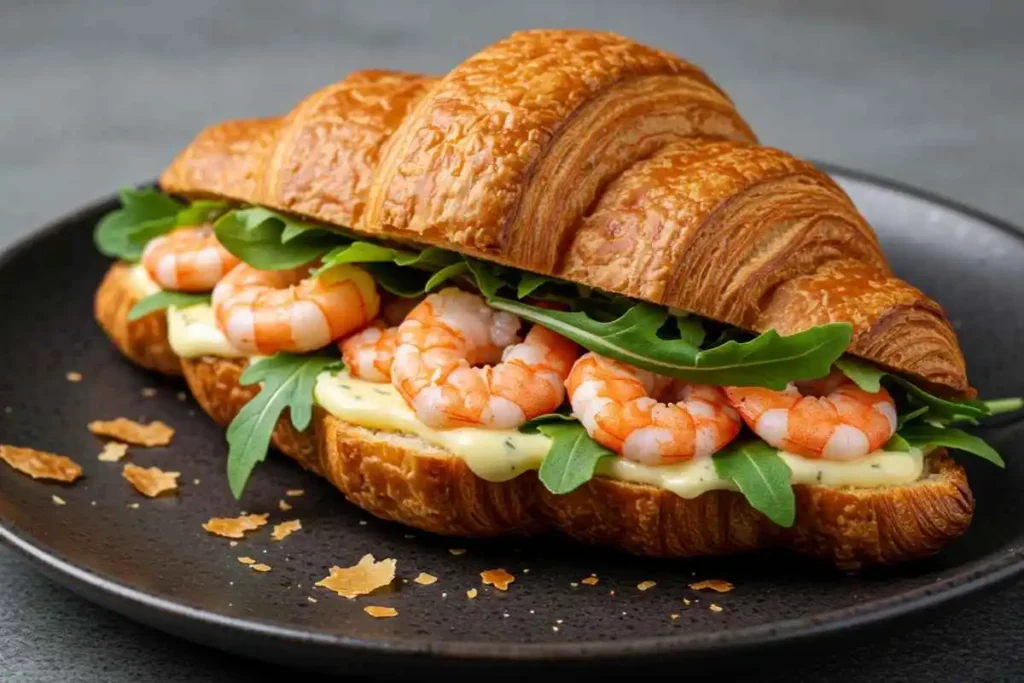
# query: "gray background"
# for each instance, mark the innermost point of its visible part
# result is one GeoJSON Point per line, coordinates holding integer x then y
{"type": "Point", "coordinates": [95, 95]}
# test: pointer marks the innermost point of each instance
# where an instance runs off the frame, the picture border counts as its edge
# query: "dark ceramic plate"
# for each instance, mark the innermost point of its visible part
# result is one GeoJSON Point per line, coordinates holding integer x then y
{"type": "Point", "coordinates": [155, 564]}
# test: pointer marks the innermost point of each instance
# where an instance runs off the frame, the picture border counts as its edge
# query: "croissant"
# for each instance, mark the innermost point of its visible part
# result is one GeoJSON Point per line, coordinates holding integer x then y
{"type": "Point", "coordinates": [587, 157]}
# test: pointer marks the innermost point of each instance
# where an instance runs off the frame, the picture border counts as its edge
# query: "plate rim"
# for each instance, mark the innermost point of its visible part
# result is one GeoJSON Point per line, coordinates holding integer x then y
{"type": "Point", "coordinates": [984, 573]}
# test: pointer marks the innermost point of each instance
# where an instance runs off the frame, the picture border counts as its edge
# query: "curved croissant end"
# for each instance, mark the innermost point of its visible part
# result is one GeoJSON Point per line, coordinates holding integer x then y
{"type": "Point", "coordinates": [317, 160]}
{"type": "Point", "coordinates": [508, 151]}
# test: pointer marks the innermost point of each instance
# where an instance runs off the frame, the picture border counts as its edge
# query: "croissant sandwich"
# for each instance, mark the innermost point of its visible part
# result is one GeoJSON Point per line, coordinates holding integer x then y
{"type": "Point", "coordinates": [562, 287]}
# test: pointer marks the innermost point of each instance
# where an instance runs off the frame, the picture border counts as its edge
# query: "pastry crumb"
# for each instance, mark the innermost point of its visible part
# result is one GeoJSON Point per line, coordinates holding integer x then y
{"type": "Point", "coordinates": [57, 500]}
{"type": "Point", "coordinates": [380, 612]}
{"type": "Point", "coordinates": [499, 578]}
{"type": "Point", "coordinates": [363, 578]}
{"type": "Point", "coordinates": [74, 376]}
{"type": "Point", "coordinates": [285, 529]}
{"type": "Point", "coordinates": [150, 481]}
{"type": "Point", "coordinates": [40, 464]}
{"type": "Point", "coordinates": [283, 506]}
{"type": "Point", "coordinates": [294, 493]}
{"type": "Point", "coordinates": [471, 593]}
{"type": "Point", "coordinates": [589, 581]}
{"type": "Point", "coordinates": [674, 616]}
{"type": "Point", "coordinates": [715, 608]}
{"type": "Point", "coordinates": [686, 601]}
{"type": "Point", "coordinates": [113, 451]}
{"type": "Point", "coordinates": [310, 598]}
{"type": "Point", "coordinates": [260, 567]}
{"type": "Point", "coordinates": [425, 579]}
{"type": "Point", "coordinates": [574, 584]}
{"type": "Point", "coordinates": [646, 585]}
{"type": "Point", "coordinates": [235, 527]}
{"type": "Point", "coordinates": [155, 433]}
{"type": "Point", "coordinates": [717, 585]}
{"type": "Point", "coordinates": [457, 551]}
{"type": "Point", "coordinates": [133, 506]}
{"type": "Point", "coordinates": [148, 392]}
{"type": "Point", "coordinates": [246, 560]}
{"type": "Point", "coordinates": [182, 396]}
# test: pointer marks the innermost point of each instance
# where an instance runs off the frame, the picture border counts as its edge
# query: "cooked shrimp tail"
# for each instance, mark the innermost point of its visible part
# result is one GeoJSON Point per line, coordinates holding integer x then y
{"type": "Point", "coordinates": [187, 259]}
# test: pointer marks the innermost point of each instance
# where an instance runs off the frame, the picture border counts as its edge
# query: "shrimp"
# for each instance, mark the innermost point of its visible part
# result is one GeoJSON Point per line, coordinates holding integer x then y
{"type": "Point", "coordinates": [368, 354]}
{"type": "Point", "coordinates": [267, 311]}
{"type": "Point", "coordinates": [450, 332]}
{"type": "Point", "coordinates": [187, 259]}
{"type": "Point", "coordinates": [615, 403]}
{"type": "Point", "coordinates": [834, 420]}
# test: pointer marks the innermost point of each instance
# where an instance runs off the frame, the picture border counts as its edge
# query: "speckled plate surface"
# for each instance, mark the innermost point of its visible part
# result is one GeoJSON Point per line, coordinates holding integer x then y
{"type": "Point", "coordinates": [154, 563]}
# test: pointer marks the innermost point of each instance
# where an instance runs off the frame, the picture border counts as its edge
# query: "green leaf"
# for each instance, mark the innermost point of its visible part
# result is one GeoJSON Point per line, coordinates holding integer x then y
{"type": "Point", "coordinates": [360, 252]}
{"type": "Point", "coordinates": [943, 409]}
{"type": "Point", "coordinates": [762, 476]}
{"type": "Point", "coordinates": [573, 456]}
{"type": "Point", "coordinates": [897, 443]}
{"type": "Point", "coordinates": [1004, 405]}
{"type": "Point", "coordinates": [922, 434]}
{"type": "Point", "coordinates": [288, 382]}
{"type": "Point", "coordinates": [864, 374]}
{"type": "Point", "coordinates": [430, 259]}
{"type": "Point", "coordinates": [486, 276]}
{"type": "Point", "coordinates": [907, 417]}
{"type": "Point", "coordinates": [162, 300]}
{"type": "Point", "coordinates": [870, 378]}
{"type": "Point", "coordinates": [445, 274]}
{"type": "Point", "coordinates": [769, 360]}
{"type": "Point", "coordinates": [200, 212]}
{"type": "Point", "coordinates": [256, 235]}
{"type": "Point", "coordinates": [529, 283]}
{"type": "Point", "coordinates": [691, 329]}
{"type": "Point", "coordinates": [145, 213]}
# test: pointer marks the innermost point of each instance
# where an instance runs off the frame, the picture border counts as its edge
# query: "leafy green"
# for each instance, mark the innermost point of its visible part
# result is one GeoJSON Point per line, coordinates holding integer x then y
{"type": "Point", "coordinates": [870, 378]}
{"type": "Point", "coordinates": [269, 240]}
{"type": "Point", "coordinates": [691, 329]}
{"type": "Point", "coordinates": [145, 213]}
{"type": "Point", "coordinates": [897, 443]}
{"type": "Point", "coordinates": [762, 476]}
{"type": "Point", "coordinates": [201, 211]}
{"type": "Point", "coordinates": [573, 456]}
{"type": "Point", "coordinates": [921, 434]}
{"type": "Point", "coordinates": [404, 282]}
{"type": "Point", "coordinates": [769, 360]}
{"type": "Point", "coordinates": [288, 382]}
{"type": "Point", "coordinates": [863, 374]}
{"type": "Point", "coordinates": [913, 414]}
{"type": "Point", "coordinates": [445, 274]}
{"type": "Point", "coordinates": [998, 406]}
{"type": "Point", "coordinates": [162, 300]}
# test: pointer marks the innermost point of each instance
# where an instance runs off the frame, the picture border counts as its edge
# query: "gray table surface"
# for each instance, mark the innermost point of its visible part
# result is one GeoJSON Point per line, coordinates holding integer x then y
{"type": "Point", "coordinates": [94, 95]}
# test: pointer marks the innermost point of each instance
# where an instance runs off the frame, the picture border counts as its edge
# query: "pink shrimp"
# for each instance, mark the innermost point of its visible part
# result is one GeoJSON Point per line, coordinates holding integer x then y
{"type": "Point", "coordinates": [267, 311]}
{"type": "Point", "coordinates": [615, 404]}
{"type": "Point", "coordinates": [187, 259]}
{"type": "Point", "coordinates": [451, 331]}
{"type": "Point", "coordinates": [834, 420]}
{"type": "Point", "coordinates": [368, 354]}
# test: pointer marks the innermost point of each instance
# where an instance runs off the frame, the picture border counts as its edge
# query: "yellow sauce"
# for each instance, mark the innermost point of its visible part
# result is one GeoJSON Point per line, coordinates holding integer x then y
{"type": "Point", "coordinates": [141, 282]}
{"type": "Point", "coordinates": [499, 455]}
{"type": "Point", "coordinates": [193, 332]}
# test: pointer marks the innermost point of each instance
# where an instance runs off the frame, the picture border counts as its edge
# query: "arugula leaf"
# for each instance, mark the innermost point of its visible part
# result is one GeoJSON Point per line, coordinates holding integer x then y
{"type": "Point", "coordinates": [897, 443]}
{"type": "Point", "coordinates": [445, 274]}
{"type": "Point", "coordinates": [162, 300]}
{"type": "Point", "coordinates": [921, 434]}
{"type": "Point", "coordinates": [769, 360]}
{"type": "Point", "coordinates": [869, 378]}
{"type": "Point", "coordinates": [487, 278]}
{"type": "Point", "coordinates": [762, 476]}
{"type": "Point", "coordinates": [201, 211]}
{"type": "Point", "coordinates": [907, 417]}
{"type": "Point", "coordinates": [573, 456]}
{"type": "Point", "coordinates": [407, 283]}
{"type": "Point", "coordinates": [691, 329]}
{"type": "Point", "coordinates": [864, 374]}
{"type": "Point", "coordinates": [529, 283]}
{"type": "Point", "coordinates": [999, 406]}
{"type": "Point", "coordinates": [145, 213]}
{"type": "Point", "coordinates": [257, 236]}
{"type": "Point", "coordinates": [360, 252]}
{"type": "Point", "coordinates": [288, 382]}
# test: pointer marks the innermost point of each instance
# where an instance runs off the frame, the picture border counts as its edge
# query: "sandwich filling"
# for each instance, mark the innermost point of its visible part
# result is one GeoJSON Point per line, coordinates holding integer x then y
{"type": "Point", "coordinates": [511, 371]}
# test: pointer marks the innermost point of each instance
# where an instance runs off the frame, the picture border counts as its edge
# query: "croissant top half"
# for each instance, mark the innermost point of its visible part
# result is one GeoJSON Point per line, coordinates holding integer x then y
{"type": "Point", "coordinates": [590, 157]}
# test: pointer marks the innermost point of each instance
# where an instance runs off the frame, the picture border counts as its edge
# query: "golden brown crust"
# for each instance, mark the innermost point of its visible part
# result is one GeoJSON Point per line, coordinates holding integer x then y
{"type": "Point", "coordinates": [588, 156]}
{"type": "Point", "coordinates": [144, 341]}
{"type": "Point", "coordinates": [407, 480]}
